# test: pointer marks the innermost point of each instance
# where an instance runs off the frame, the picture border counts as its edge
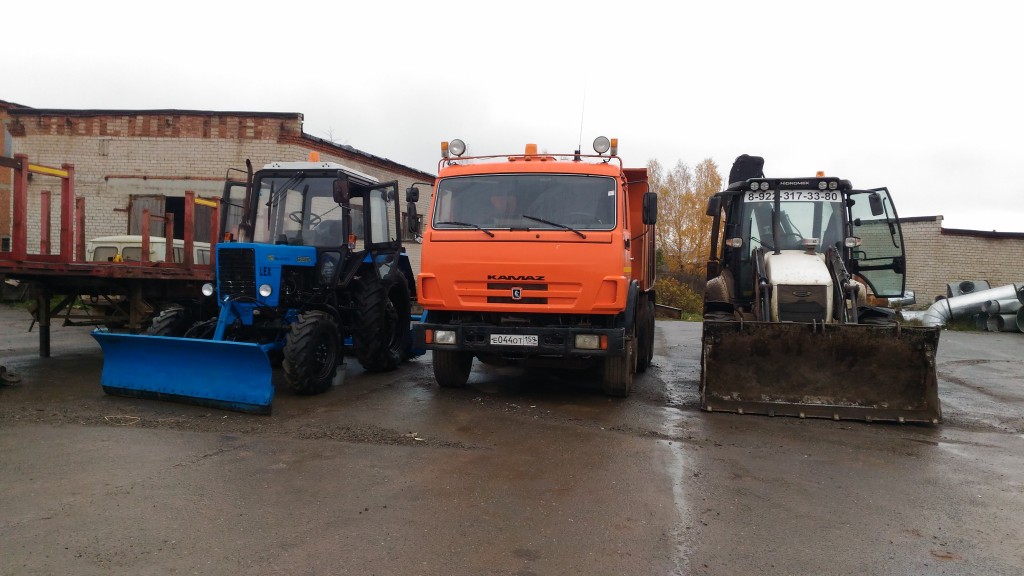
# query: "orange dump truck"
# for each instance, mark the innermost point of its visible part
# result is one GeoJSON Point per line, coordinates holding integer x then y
{"type": "Point", "coordinates": [539, 260]}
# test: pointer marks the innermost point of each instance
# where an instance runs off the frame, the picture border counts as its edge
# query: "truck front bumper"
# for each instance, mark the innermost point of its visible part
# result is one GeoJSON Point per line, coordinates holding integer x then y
{"type": "Point", "coordinates": [550, 342]}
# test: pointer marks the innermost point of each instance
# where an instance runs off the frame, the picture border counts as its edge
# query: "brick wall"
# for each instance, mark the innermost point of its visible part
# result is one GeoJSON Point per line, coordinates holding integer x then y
{"type": "Point", "coordinates": [937, 256]}
{"type": "Point", "coordinates": [120, 154]}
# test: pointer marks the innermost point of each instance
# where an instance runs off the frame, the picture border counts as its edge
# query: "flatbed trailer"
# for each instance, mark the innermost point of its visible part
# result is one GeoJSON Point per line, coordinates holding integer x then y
{"type": "Point", "coordinates": [121, 295]}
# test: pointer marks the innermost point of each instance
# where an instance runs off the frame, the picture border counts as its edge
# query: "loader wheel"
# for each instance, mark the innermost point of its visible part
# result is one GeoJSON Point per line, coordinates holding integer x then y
{"type": "Point", "coordinates": [311, 353]}
{"type": "Point", "coordinates": [381, 335]}
{"type": "Point", "coordinates": [452, 368]}
{"type": "Point", "coordinates": [172, 321]}
{"type": "Point", "coordinates": [618, 371]}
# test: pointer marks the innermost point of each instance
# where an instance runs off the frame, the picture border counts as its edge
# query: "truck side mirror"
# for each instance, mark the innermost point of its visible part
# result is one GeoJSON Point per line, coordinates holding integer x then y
{"type": "Point", "coordinates": [412, 194]}
{"type": "Point", "coordinates": [341, 191]}
{"type": "Point", "coordinates": [411, 218]}
{"type": "Point", "coordinates": [650, 211]}
{"type": "Point", "coordinates": [714, 206]}
{"type": "Point", "coordinates": [875, 201]}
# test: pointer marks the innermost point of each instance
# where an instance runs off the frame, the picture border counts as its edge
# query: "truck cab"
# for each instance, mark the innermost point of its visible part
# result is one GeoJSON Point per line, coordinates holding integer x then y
{"type": "Point", "coordinates": [538, 259]}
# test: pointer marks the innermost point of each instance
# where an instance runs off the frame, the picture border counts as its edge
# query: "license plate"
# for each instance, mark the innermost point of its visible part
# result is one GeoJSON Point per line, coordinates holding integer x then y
{"type": "Point", "coordinates": [513, 340]}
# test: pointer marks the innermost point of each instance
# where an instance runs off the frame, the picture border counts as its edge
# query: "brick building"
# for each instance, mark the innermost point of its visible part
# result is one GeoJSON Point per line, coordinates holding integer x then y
{"type": "Point", "coordinates": [126, 160]}
{"type": "Point", "coordinates": [937, 256]}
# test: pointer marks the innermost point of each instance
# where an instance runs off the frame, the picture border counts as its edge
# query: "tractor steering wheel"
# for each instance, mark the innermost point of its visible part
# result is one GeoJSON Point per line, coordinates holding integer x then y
{"type": "Point", "coordinates": [314, 219]}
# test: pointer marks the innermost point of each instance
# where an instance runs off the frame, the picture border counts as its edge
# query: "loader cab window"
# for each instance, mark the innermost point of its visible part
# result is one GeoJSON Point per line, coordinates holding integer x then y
{"type": "Point", "coordinates": [880, 259]}
{"type": "Point", "coordinates": [526, 201]}
{"type": "Point", "coordinates": [798, 220]}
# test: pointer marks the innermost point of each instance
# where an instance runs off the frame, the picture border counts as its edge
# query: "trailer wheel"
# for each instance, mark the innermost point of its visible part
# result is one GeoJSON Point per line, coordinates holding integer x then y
{"type": "Point", "coordinates": [381, 336]}
{"type": "Point", "coordinates": [172, 321]}
{"type": "Point", "coordinates": [618, 371]}
{"type": "Point", "coordinates": [311, 354]}
{"type": "Point", "coordinates": [452, 368]}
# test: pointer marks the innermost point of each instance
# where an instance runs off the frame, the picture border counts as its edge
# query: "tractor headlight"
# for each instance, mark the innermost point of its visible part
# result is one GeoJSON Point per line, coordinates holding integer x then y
{"type": "Point", "coordinates": [207, 289]}
{"type": "Point", "coordinates": [764, 185]}
{"type": "Point", "coordinates": [851, 242]}
{"type": "Point", "coordinates": [833, 185]}
{"type": "Point", "coordinates": [266, 290]}
{"type": "Point", "coordinates": [822, 185]}
{"type": "Point", "coordinates": [753, 185]}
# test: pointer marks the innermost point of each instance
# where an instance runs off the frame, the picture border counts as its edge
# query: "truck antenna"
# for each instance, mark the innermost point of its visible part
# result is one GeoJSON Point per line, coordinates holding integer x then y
{"type": "Point", "coordinates": [583, 109]}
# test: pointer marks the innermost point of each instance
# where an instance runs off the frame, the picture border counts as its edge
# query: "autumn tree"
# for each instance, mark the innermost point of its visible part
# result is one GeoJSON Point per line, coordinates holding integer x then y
{"type": "Point", "coordinates": [683, 227]}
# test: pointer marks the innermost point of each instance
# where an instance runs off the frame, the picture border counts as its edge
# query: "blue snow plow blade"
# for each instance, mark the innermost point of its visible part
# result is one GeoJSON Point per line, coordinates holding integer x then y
{"type": "Point", "coordinates": [216, 373]}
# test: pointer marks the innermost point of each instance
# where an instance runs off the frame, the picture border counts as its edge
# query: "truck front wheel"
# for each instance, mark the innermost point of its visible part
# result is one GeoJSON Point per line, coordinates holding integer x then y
{"type": "Point", "coordinates": [451, 368]}
{"type": "Point", "coordinates": [311, 354]}
{"type": "Point", "coordinates": [618, 371]}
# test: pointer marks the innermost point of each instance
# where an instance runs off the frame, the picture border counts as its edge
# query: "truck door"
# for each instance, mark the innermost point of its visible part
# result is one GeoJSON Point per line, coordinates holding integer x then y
{"type": "Point", "coordinates": [880, 259]}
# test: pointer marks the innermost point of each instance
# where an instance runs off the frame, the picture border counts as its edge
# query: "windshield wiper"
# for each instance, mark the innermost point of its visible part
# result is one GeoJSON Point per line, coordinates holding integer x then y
{"type": "Point", "coordinates": [488, 232]}
{"type": "Point", "coordinates": [562, 226]}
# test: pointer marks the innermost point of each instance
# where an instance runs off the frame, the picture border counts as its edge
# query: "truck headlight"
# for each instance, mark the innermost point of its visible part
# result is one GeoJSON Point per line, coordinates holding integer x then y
{"type": "Point", "coordinates": [266, 290]}
{"type": "Point", "coordinates": [588, 342]}
{"type": "Point", "coordinates": [444, 337]}
{"type": "Point", "coordinates": [207, 289]}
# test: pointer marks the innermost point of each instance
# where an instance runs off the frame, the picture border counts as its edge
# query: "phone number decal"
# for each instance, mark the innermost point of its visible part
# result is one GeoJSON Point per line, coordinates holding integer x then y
{"type": "Point", "coordinates": [793, 196]}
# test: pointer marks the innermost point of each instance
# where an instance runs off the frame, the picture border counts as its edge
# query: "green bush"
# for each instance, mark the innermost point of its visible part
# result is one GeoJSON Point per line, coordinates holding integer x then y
{"type": "Point", "coordinates": [672, 292]}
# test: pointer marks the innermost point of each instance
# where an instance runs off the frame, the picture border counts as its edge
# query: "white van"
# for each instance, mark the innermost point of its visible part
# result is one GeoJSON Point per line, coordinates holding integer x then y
{"type": "Point", "coordinates": [128, 248]}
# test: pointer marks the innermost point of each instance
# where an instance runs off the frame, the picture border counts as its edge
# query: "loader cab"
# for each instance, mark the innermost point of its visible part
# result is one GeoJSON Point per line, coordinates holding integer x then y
{"type": "Point", "coordinates": [806, 215]}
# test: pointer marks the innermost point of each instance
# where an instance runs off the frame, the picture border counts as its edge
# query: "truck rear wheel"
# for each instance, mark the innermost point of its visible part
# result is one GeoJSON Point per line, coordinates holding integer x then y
{"type": "Point", "coordinates": [311, 354]}
{"type": "Point", "coordinates": [452, 368]}
{"type": "Point", "coordinates": [645, 334]}
{"type": "Point", "coordinates": [618, 371]}
{"type": "Point", "coordinates": [381, 335]}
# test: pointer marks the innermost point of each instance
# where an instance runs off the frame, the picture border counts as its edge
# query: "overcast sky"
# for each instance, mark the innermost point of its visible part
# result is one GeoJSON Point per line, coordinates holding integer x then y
{"type": "Point", "coordinates": [924, 98]}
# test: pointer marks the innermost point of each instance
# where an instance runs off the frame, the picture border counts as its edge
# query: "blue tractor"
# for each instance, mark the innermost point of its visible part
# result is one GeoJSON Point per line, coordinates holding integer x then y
{"type": "Point", "coordinates": [318, 264]}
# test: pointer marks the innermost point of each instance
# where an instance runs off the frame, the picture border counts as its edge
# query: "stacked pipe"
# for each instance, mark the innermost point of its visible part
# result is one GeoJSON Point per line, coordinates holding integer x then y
{"type": "Point", "coordinates": [998, 309]}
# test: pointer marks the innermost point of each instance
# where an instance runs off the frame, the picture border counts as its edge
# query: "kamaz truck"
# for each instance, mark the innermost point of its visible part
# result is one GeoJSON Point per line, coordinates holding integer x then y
{"type": "Point", "coordinates": [539, 259]}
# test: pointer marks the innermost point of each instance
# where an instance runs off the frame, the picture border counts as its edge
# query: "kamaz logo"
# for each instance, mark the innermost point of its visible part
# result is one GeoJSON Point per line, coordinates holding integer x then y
{"type": "Point", "coordinates": [513, 277]}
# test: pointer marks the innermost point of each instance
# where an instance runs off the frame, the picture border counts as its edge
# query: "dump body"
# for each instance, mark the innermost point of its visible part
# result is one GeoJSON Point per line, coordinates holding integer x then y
{"type": "Point", "coordinates": [788, 329]}
{"type": "Point", "coordinates": [538, 259]}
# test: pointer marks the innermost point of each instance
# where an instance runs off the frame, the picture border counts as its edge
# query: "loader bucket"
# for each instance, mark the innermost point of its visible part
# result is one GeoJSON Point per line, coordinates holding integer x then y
{"type": "Point", "coordinates": [221, 374]}
{"type": "Point", "coordinates": [859, 372]}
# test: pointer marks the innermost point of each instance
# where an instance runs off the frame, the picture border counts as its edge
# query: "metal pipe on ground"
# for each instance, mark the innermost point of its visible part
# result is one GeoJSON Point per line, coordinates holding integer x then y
{"type": "Point", "coordinates": [1003, 323]}
{"type": "Point", "coordinates": [981, 321]}
{"type": "Point", "coordinates": [1006, 306]}
{"type": "Point", "coordinates": [945, 310]}
{"type": "Point", "coordinates": [1020, 320]}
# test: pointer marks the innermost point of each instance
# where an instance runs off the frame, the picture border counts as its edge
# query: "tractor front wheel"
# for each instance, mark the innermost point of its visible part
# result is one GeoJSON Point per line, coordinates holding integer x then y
{"type": "Point", "coordinates": [172, 321]}
{"type": "Point", "coordinates": [311, 354]}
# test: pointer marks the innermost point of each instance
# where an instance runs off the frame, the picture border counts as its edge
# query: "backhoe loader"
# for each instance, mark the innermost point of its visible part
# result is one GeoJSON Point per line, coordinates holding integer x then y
{"type": "Point", "coordinates": [792, 321]}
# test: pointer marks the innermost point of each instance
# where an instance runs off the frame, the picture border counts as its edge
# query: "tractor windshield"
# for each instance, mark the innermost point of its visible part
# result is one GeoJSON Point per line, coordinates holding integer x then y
{"type": "Point", "coordinates": [299, 210]}
{"type": "Point", "coordinates": [526, 201]}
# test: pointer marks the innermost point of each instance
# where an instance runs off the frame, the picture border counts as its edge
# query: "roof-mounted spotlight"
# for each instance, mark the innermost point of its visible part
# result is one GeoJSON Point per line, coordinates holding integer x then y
{"type": "Point", "coordinates": [457, 147]}
{"type": "Point", "coordinates": [601, 144]}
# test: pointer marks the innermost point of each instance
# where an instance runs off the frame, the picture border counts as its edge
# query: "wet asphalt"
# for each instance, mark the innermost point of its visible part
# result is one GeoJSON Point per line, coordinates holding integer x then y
{"type": "Point", "coordinates": [522, 473]}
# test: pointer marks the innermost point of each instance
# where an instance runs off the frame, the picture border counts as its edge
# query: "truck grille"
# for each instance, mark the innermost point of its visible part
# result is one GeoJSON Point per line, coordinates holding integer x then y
{"type": "Point", "coordinates": [236, 271]}
{"type": "Point", "coordinates": [802, 303]}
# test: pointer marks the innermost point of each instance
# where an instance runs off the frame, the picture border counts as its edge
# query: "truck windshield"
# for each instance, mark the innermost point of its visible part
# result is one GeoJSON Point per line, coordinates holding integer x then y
{"type": "Point", "coordinates": [522, 201]}
{"type": "Point", "coordinates": [298, 210]}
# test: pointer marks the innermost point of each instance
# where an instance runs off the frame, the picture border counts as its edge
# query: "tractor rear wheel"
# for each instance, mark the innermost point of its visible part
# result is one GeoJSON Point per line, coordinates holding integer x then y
{"type": "Point", "coordinates": [452, 368]}
{"type": "Point", "coordinates": [381, 335]}
{"type": "Point", "coordinates": [311, 354]}
{"type": "Point", "coordinates": [172, 321]}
